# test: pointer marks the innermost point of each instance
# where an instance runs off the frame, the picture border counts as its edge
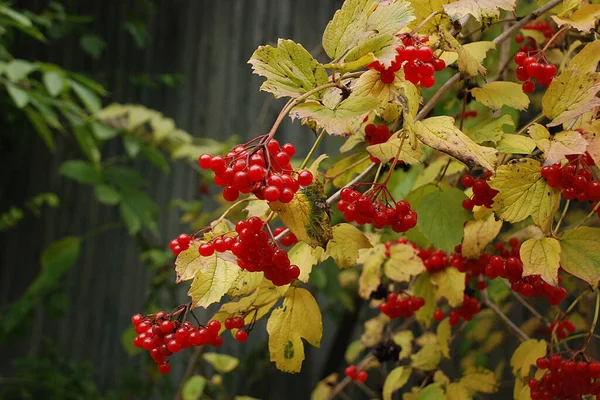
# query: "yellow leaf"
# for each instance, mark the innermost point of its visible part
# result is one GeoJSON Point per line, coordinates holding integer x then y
{"type": "Point", "coordinates": [388, 150]}
{"type": "Point", "coordinates": [571, 94]}
{"type": "Point", "coordinates": [323, 389]}
{"type": "Point", "coordinates": [305, 258]}
{"type": "Point", "coordinates": [441, 378]}
{"type": "Point", "coordinates": [346, 169]}
{"type": "Point", "coordinates": [444, 331]}
{"type": "Point", "coordinates": [423, 8]}
{"type": "Point", "coordinates": [441, 134]}
{"type": "Point", "coordinates": [314, 167]}
{"type": "Point", "coordinates": [479, 380]}
{"type": "Point", "coordinates": [408, 97]}
{"type": "Point", "coordinates": [479, 234]}
{"type": "Point", "coordinates": [370, 277]}
{"type": "Point", "coordinates": [580, 254]}
{"type": "Point", "coordinates": [346, 243]}
{"type": "Point", "coordinates": [369, 84]}
{"type": "Point", "coordinates": [563, 143]}
{"type": "Point", "coordinates": [255, 305]}
{"type": "Point", "coordinates": [497, 94]}
{"type": "Point", "coordinates": [353, 351]}
{"type": "Point", "coordinates": [492, 342]}
{"type": "Point", "coordinates": [450, 283]}
{"type": "Point", "coordinates": [427, 338]}
{"type": "Point", "coordinates": [222, 363]}
{"type": "Point", "coordinates": [523, 193]}
{"type": "Point", "coordinates": [541, 257]}
{"type": "Point", "coordinates": [245, 283]}
{"type": "Point", "coordinates": [257, 208]}
{"type": "Point", "coordinates": [435, 168]}
{"type": "Point", "coordinates": [299, 318]}
{"type": "Point", "coordinates": [489, 129]}
{"type": "Point", "coordinates": [404, 263]}
{"type": "Point", "coordinates": [428, 358]}
{"type": "Point", "coordinates": [516, 144]}
{"type": "Point", "coordinates": [457, 391]}
{"type": "Point", "coordinates": [583, 20]}
{"type": "Point", "coordinates": [469, 58]}
{"type": "Point", "coordinates": [525, 356]}
{"type": "Point", "coordinates": [213, 279]}
{"type": "Point", "coordinates": [404, 340]}
{"type": "Point", "coordinates": [373, 331]}
{"type": "Point", "coordinates": [395, 380]}
{"type": "Point", "coordinates": [306, 215]}
{"type": "Point", "coordinates": [587, 59]}
{"type": "Point", "coordinates": [480, 9]}
{"type": "Point", "coordinates": [424, 288]}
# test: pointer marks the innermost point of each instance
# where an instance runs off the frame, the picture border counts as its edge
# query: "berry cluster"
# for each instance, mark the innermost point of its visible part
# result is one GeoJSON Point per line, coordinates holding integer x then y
{"type": "Point", "coordinates": [574, 183]}
{"type": "Point", "coordinates": [355, 374]}
{"type": "Point", "coordinates": [483, 194]}
{"type": "Point", "coordinates": [377, 134]}
{"type": "Point", "coordinates": [417, 60]}
{"type": "Point", "coordinates": [386, 351]}
{"type": "Point", "coordinates": [255, 251]}
{"type": "Point", "coordinates": [468, 114]}
{"type": "Point", "coordinates": [466, 311]}
{"type": "Point", "coordinates": [237, 323]}
{"type": "Point", "coordinates": [565, 379]}
{"type": "Point", "coordinates": [562, 328]}
{"type": "Point", "coordinates": [162, 337]}
{"type": "Point", "coordinates": [534, 65]}
{"type": "Point", "coordinates": [288, 240]}
{"type": "Point", "coordinates": [180, 244]}
{"type": "Point", "coordinates": [263, 169]}
{"type": "Point", "coordinates": [368, 209]}
{"type": "Point", "coordinates": [404, 307]}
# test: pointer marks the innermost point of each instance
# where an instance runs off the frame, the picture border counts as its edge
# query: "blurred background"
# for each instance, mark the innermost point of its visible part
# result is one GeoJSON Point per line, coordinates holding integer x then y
{"type": "Point", "coordinates": [104, 108]}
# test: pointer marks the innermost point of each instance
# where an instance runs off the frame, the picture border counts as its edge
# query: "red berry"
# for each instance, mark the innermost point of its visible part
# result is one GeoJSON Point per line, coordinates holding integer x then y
{"type": "Point", "coordinates": [387, 76]}
{"type": "Point", "coordinates": [438, 315]}
{"type": "Point", "coordinates": [271, 193]}
{"type": "Point", "coordinates": [230, 194]}
{"type": "Point", "coordinates": [241, 336]}
{"type": "Point", "coordinates": [424, 53]}
{"type": "Point", "coordinates": [137, 319]}
{"type": "Point", "coordinates": [206, 250]}
{"type": "Point", "coordinates": [427, 81]}
{"type": "Point", "coordinates": [214, 327]}
{"type": "Point", "coordinates": [528, 87]}
{"type": "Point", "coordinates": [362, 376]}
{"type": "Point", "coordinates": [164, 368]}
{"type": "Point", "coordinates": [438, 64]}
{"type": "Point", "coordinates": [305, 178]}
{"type": "Point", "coordinates": [167, 326]}
{"type": "Point", "coordinates": [467, 181]}
{"type": "Point", "coordinates": [204, 161]}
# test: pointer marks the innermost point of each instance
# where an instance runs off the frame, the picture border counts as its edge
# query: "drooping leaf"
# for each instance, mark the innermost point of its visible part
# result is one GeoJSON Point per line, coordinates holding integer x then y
{"type": "Point", "coordinates": [214, 276]}
{"type": "Point", "coordinates": [482, 9]}
{"type": "Point", "coordinates": [525, 355]}
{"type": "Point", "coordinates": [523, 193]}
{"type": "Point", "coordinates": [222, 363]}
{"type": "Point", "coordinates": [515, 144]}
{"type": "Point", "coordinates": [478, 234]}
{"type": "Point", "coordinates": [289, 69]}
{"type": "Point", "coordinates": [193, 388]}
{"type": "Point", "coordinates": [305, 257]}
{"type": "Point", "coordinates": [403, 263]}
{"type": "Point", "coordinates": [306, 215]}
{"type": "Point", "coordinates": [395, 380]}
{"type": "Point", "coordinates": [444, 332]}
{"type": "Point", "coordinates": [441, 134]}
{"type": "Point", "coordinates": [54, 82]}
{"type": "Point", "coordinates": [450, 284]}
{"type": "Point", "coordinates": [90, 100]}
{"type": "Point", "coordinates": [469, 61]}
{"type": "Point", "coordinates": [424, 288]}
{"type": "Point", "coordinates": [541, 257]}
{"type": "Point", "coordinates": [428, 358]}
{"type": "Point", "coordinates": [41, 127]}
{"type": "Point", "coordinates": [587, 59]}
{"type": "Point", "coordinates": [580, 255]}
{"type": "Point", "coordinates": [299, 318]}
{"type": "Point", "coordinates": [388, 150]}
{"type": "Point", "coordinates": [489, 129]}
{"type": "Point", "coordinates": [80, 171]}
{"type": "Point", "coordinates": [345, 245]}
{"type": "Point", "coordinates": [107, 194]}
{"type": "Point", "coordinates": [584, 19]}
{"type": "Point", "coordinates": [19, 96]}
{"type": "Point", "coordinates": [370, 277]}
{"type": "Point", "coordinates": [497, 94]}
{"type": "Point", "coordinates": [17, 70]}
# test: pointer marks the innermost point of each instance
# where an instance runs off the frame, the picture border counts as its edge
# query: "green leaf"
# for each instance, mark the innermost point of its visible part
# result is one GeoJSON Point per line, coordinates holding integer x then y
{"type": "Point", "coordinates": [489, 129]}
{"type": "Point", "coordinates": [80, 171]}
{"type": "Point", "coordinates": [155, 156]}
{"type": "Point", "coordinates": [395, 380]}
{"type": "Point", "coordinates": [16, 16]}
{"type": "Point", "coordinates": [38, 122]}
{"type": "Point", "coordinates": [428, 358]}
{"type": "Point", "coordinates": [54, 82]}
{"type": "Point", "coordinates": [107, 195]}
{"type": "Point", "coordinates": [17, 70]}
{"type": "Point", "coordinates": [194, 387]}
{"type": "Point", "coordinates": [87, 143]}
{"type": "Point", "coordinates": [517, 144]}
{"type": "Point", "coordinates": [431, 392]}
{"type": "Point", "coordinates": [289, 68]}
{"type": "Point", "coordinates": [541, 257]}
{"type": "Point", "coordinates": [94, 45]}
{"type": "Point", "coordinates": [132, 145]}
{"type": "Point", "coordinates": [19, 96]}
{"type": "Point", "coordinates": [222, 363]}
{"type": "Point", "coordinates": [142, 205]}
{"type": "Point", "coordinates": [442, 217]}
{"type": "Point", "coordinates": [87, 97]}
{"type": "Point", "coordinates": [580, 255]}
{"type": "Point", "coordinates": [130, 217]}
{"type": "Point", "coordinates": [124, 177]}
{"type": "Point", "coordinates": [60, 256]}
{"type": "Point", "coordinates": [102, 131]}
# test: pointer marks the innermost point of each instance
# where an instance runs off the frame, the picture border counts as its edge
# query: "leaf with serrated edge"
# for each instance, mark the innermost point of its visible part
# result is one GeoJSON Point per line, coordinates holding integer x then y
{"type": "Point", "coordinates": [370, 277]}
{"type": "Point", "coordinates": [388, 150]}
{"type": "Point", "coordinates": [563, 143]}
{"type": "Point", "coordinates": [424, 288]}
{"type": "Point", "coordinates": [516, 144]}
{"type": "Point", "coordinates": [480, 9]}
{"type": "Point", "coordinates": [441, 134]}
{"type": "Point", "coordinates": [489, 129]}
{"type": "Point", "coordinates": [346, 243]}
{"type": "Point", "coordinates": [523, 193]}
{"type": "Point", "coordinates": [213, 279]}
{"type": "Point", "coordinates": [299, 318]}
{"type": "Point", "coordinates": [497, 94]}
{"type": "Point", "coordinates": [478, 234]}
{"type": "Point", "coordinates": [587, 59]}
{"type": "Point", "coordinates": [395, 380]}
{"type": "Point", "coordinates": [583, 20]}
{"type": "Point", "coordinates": [469, 62]}
{"type": "Point", "coordinates": [580, 255]}
{"type": "Point", "coordinates": [305, 257]}
{"type": "Point", "coordinates": [525, 355]}
{"type": "Point", "coordinates": [450, 283]}
{"type": "Point", "coordinates": [457, 391]}
{"type": "Point", "coordinates": [245, 283]}
{"type": "Point", "coordinates": [403, 263]}
{"type": "Point", "coordinates": [423, 9]}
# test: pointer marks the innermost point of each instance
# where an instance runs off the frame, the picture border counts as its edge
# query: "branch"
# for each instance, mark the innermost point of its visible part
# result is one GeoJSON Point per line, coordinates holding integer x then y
{"type": "Point", "coordinates": [522, 335]}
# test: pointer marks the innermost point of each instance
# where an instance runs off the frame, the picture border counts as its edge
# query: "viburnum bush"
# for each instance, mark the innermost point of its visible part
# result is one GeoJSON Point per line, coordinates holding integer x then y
{"type": "Point", "coordinates": [457, 213]}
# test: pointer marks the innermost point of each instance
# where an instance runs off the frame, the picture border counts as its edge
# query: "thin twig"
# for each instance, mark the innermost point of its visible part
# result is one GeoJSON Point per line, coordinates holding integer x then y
{"type": "Point", "coordinates": [426, 20]}
{"type": "Point", "coordinates": [522, 335]}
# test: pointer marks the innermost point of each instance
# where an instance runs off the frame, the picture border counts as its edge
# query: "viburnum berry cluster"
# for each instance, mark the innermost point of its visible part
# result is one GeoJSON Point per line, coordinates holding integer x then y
{"type": "Point", "coordinates": [469, 308]}
{"type": "Point", "coordinates": [368, 208]}
{"type": "Point", "coordinates": [534, 65]}
{"type": "Point", "coordinates": [416, 59]}
{"type": "Point", "coordinates": [377, 134]}
{"type": "Point", "coordinates": [562, 328]}
{"type": "Point", "coordinates": [256, 250]}
{"type": "Point", "coordinates": [288, 239]}
{"type": "Point", "coordinates": [260, 166]}
{"type": "Point", "coordinates": [355, 374]}
{"type": "Point", "coordinates": [574, 179]}
{"type": "Point", "coordinates": [403, 306]}
{"type": "Point", "coordinates": [541, 26]}
{"type": "Point", "coordinates": [237, 323]}
{"type": "Point", "coordinates": [483, 194]}
{"type": "Point", "coordinates": [180, 244]}
{"type": "Point", "coordinates": [565, 379]}
{"type": "Point", "coordinates": [163, 337]}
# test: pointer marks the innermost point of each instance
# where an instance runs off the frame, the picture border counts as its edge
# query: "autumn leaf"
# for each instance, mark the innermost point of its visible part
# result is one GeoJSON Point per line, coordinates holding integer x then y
{"type": "Point", "coordinates": [424, 288]}
{"type": "Point", "coordinates": [479, 380]}
{"type": "Point", "coordinates": [404, 263]}
{"type": "Point", "coordinates": [305, 257]}
{"type": "Point", "coordinates": [306, 215]}
{"type": "Point", "coordinates": [289, 68]}
{"type": "Point", "coordinates": [370, 277]}
{"type": "Point", "coordinates": [423, 9]}
{"type": "Point", "coordinates": [523, 193]}
{"type": "Point", "coordinates": [299, 318]}
{"type": "Point", "coordinates": [404, 340]}
{"type": "Point", "coordinates": [260, 302]}
{"type": "Point", "coordinates": [348, 168]}
{"type": "Point", "coordinates": [373, 331]}
{"type": "Point", "coordinates": [580, 255]}
{"type": "Point", "coordinates": [435, 168]}
{"type": "Point", "coordinates": [428, 358]}
{"type": "Point", "coordinates": [584, 19]}
{"type": "Point", "coordinates": [517, 144]}
{"type": "Point", "coordinates": [587, 59]}
{"type": "Point", "coordinates": [245, 283]}
{"type": "Point", "coordinates": [395, 380]}
{"type": "Point", "coordinates": [469, 61]}
{"type": "Point", "coordinates": [441, 134]}
{"type": "Point", "coordinates": [489, 129]}
{"type": "Point", "coordinates": [214, 277]}
{"type": "Point", "coordinates": [444, 331]}
{"type": "Point", "coordinates": [222, 363]}
{"type": "Point", "coordinates": [369, 85]}
{"type": "Point", "coordinates": [480, 9]}
{"type": "Point", "coordinates": [346, 243]}
{"type": "Point", "coordinates": [450, 284]}
{"type": "Point", "coordinates": [525, 355]}
{"type": "Point", "coordinates": [497, 94]}
{"type": "Point", "coordinates": [457, 391]}
{"type": "Point", "coordinates": [478, 234]}
{"type": "Point", "coordinates": [323, 389]}
{"type": "Point", "coordinates": [387, 151]}
{"type": "Point", "coordinates": [563, 143]}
